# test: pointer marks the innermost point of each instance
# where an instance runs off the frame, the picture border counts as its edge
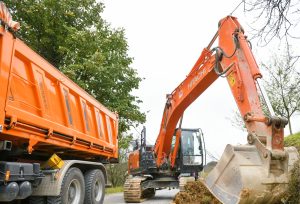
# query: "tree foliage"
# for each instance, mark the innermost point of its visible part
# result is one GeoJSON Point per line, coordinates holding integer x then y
{"type": "Point", "coordinates": [117, 173]}
{"type": "Point", "coordinates": [274, 18]}
{"type": "Point", "coordinates": [74, 37]}
{"type": "Point", "coordinates": [283, 85]}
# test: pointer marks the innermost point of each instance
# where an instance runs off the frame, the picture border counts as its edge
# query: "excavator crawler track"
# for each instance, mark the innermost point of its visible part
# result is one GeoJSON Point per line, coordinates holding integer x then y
{"type": "Point", "coordinates": [133, 192]}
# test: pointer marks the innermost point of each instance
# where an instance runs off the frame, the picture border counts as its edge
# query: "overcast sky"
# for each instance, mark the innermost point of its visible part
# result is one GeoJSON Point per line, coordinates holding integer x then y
{"type": "Point", "coordinates": [165, 39]}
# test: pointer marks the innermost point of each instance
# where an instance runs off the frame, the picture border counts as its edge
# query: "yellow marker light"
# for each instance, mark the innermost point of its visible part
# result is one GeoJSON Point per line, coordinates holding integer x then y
{"type": "Point", "coordinates": [7, 175]}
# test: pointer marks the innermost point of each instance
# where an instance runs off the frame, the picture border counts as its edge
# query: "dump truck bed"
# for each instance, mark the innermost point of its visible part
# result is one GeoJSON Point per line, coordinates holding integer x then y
{"type": "Point", "coordinates": [41, 110]}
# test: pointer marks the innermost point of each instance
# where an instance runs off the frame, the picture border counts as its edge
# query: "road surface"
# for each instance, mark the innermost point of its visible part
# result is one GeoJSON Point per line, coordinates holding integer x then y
{"type": "Point", "coordinates": [161, 197]}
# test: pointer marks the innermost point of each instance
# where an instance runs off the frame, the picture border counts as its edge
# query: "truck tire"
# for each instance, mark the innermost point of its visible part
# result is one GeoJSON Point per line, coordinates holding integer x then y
{"type": "Point", "coordinates": [94, 187]}
{"type": "Point", "coordinates": [72, 189]}
{"type": "Point", "coordinates": [37, 200]}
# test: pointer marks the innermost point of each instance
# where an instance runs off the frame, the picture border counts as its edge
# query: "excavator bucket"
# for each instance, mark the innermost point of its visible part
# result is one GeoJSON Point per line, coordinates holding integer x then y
{"type": "Point", "coordinates": [243, 176]}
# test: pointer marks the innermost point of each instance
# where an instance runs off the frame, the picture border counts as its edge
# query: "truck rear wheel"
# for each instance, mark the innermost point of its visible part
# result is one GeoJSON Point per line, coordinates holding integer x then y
{"type": "Point", "coordinates": [72, 189]}
{"type": "Point", "coordinates": [94, 187]}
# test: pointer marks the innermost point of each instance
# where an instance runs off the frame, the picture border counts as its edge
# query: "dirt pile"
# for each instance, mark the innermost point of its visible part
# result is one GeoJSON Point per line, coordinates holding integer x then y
{"type": "Point", "coordinates": [195, 193]}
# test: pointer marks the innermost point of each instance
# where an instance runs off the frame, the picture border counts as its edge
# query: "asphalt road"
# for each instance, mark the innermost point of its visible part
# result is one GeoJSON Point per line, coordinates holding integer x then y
{"type": "Point", "coordinates": [161, 197]}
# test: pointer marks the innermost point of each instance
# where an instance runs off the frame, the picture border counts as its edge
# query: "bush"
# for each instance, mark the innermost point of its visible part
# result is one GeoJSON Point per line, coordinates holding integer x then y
{"type": "Point", "coordinates": [116, 173]}
{"type": "Point", "coordinates": [293, 193]}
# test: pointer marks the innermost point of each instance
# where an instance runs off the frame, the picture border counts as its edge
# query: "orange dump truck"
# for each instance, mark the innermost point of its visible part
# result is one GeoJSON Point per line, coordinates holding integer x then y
{"type": "Point", "coordinates": [43, 113]}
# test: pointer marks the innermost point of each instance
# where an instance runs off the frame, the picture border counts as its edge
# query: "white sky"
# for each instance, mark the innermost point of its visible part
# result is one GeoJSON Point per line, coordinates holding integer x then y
{"type": "Point", "coordinates": [166, 38]}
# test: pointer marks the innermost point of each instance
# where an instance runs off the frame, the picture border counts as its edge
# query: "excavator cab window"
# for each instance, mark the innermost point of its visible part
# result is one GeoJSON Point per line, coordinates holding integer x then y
{"type": "Point", "coordinates": [192, 149]}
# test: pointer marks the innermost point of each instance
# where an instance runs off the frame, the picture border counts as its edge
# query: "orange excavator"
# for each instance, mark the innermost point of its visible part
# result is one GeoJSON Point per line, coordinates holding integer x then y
{"type": "Point", "coordinates": [253, 173]}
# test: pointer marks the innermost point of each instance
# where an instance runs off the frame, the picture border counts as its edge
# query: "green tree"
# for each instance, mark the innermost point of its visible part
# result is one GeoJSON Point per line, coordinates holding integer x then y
{"type": "Point", "coordinates": [283, 85]}
{"type": "Point", "coordinates": [74, 37]}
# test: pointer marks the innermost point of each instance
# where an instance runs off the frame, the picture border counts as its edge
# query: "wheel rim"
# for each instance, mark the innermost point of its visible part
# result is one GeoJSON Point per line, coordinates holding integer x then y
{"type": "Point", "coordinates": [74, 192]}
{"type": "Point", "coordinates": [98, 190]}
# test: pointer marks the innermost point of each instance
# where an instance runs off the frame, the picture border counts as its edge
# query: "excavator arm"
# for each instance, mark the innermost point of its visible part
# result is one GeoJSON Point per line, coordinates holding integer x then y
{"type": "Point", "coordinates": [233, 59]}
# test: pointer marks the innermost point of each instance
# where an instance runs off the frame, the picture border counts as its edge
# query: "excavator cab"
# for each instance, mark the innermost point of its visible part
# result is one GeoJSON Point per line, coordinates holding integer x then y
{"type": "Point", "coordinates": [191, 157]}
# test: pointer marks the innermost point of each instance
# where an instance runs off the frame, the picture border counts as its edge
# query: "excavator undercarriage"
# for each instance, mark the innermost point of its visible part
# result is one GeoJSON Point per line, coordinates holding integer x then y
{"type": "Point", "coordinates": [138, 188]}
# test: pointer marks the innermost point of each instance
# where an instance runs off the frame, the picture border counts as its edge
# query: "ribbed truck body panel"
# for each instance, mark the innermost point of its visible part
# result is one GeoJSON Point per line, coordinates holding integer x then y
{"type": "Point", "coordinates": [43, 110]}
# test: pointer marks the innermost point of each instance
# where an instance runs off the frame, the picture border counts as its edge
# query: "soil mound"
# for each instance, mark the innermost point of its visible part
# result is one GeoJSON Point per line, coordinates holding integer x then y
{"type": "Point", "coordinates": [195, 193]}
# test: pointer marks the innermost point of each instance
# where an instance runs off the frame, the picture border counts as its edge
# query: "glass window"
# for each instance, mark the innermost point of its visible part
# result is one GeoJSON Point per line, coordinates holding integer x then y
{"type": "Point", "coordinates": [191, 147]}
{"type": "Point", "coordinates": [173, 144]}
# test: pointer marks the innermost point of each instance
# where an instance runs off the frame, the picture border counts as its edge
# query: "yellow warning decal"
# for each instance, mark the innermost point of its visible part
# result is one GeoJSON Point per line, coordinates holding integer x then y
{"type": "Point", "coordinates": [231, 79]}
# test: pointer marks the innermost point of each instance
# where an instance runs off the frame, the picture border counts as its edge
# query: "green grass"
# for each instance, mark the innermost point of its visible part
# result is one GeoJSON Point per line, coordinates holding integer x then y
{"type": "Point", "coordinates": [293, 140]}
{"type": "Point", "coordinates": [117, 189]}
{"type": "Point", "coordinates": [293, 195]}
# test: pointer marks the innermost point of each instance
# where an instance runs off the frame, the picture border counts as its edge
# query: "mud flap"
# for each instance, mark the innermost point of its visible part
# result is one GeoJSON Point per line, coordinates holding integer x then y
{"type": "Point", "coordinates": [243, 176]}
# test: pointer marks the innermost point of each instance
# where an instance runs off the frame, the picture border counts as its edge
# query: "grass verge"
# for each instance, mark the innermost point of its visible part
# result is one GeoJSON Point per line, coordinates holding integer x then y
{"type": "Point", "coordinates": [293, 140]}
{"type": "Point", "coordinates": [293, 194]}
{"type": "Point", "coordinates": [117, 189]}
